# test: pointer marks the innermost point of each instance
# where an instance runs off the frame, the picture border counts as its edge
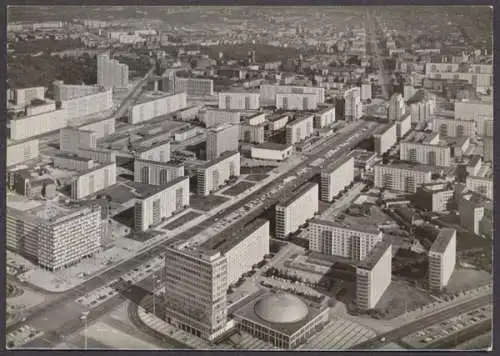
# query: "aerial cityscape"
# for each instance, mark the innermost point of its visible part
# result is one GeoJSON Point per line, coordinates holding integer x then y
{"type": "Point", "coordinates": [249, 178]}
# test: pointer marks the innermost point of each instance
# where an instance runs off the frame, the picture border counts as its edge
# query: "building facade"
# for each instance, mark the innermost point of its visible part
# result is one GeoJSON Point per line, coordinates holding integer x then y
{"type": "Point", "coordinates": [401, 177]}
{"type": "Point", "coordinates": [21, 152]}
{"type": "Point", "coordinates": [111, 74]}
{"type": "Point", "coordinates": [299, 129]}
{"type": "Point", "coordinates": [90, 182]}
{"type": "Point", "coordinates": [156, 173]}
{"type": "Point", "coordinates": [293, 101]}
{"type": "Point", "coordinates": [212, 118]}
{"type": "Point", "coordinates": [69, 91]}
{"type": "Point", "coordinates": [194, 86]}
{"type": "Point", "coordinates": [324, 118]}
{"type": "Point", "coordinates": [73, 162]}
{"type": "Point", "coordinates": [449, 127]}
{"type": "Point", "coordinates": [335, 178]}
{"type": "Point", "coordinates": [353, 109]}
{"type": "Point", "coordinates": [29, 126]}
{"type": "Point", "coordinates": [385, 139]}
{"type": "Point", "coordinates": [434, 197]}
{"type": "Point", "coordinates": [268, 92]}
{"type": "Point", "coordinates": [221, 139]}
{"type": "Point", "coordinates": [271, 151]}
{"type": "Point", "coordinates": [89, 104]}
{"type": "Point", "coordinates": [442, 259]}
{"type": "Point", "coordinates": [72, 139]}
{"type": "Point", "coordinates": [100, 155]}
{"type": "Point", "coordinates": [480, 185]}
{"type": "Point", "coordinates": [159, 152]}
{"type": "Point", "coordinates": [239, 101]}
{"type": "Point", "coordinates": [214, 174]}
{"type": "Point", "coordinates": [163, 105]}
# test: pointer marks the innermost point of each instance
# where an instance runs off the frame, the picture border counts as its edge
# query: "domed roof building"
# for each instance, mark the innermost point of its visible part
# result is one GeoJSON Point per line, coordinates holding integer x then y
{"type": "Point", "coordinates": [282, 319]}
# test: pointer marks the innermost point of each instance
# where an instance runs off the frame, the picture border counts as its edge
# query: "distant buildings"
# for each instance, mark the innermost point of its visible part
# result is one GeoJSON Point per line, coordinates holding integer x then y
{"type": "Point", "coordinates": [268, 93]}
{"type": "Point", "coordinates": [221, 139]}
{"type": "Point", "coordinates": [479, 75]}
{"type": "Point", "coordinates": [473, 110]}
{"type": "Point", "coordinates": [480, 185]}
{"type": "Point", "coordinates": [401, 177]}
{"type": "Point", "coordinates": [24, 96]}
{"type": "Point", "coordinates": [197, 87]}
{"type": "Point", "coordinates": [21, 152]}
{"type": "Point", "coordinates": [54, 236]}
{"type": "Point", "coordinates": [299, 129]}
{"type": "Point", "coordinates": [157, 203]}
{"type": "Point", "coordinates": [69, 91]}
{"type": "Point", "coordinates": [366, 91]}
{"type": "Point", "coordinates": [156, 173]}
{"type": "Point", "coordinates": [422, 106]}
{"type": "Point", "coordinates": [89, 104]}
{"type": "Point", "coordinates": [373, 275]}
{"type": "Point", "coordinates": [214, 174]}
{"type": "Point", "coordinates": [72, 162]}
{"type": "Point", "coordinates": [213, 118]}
{"type": "Point", "coordinates": [111, 74]}
{"type": "Point", "coordinates": [336, 177]}
{"type": "Point", "coordinates": [403, 126]}
{"type": "Point", "coordinates": [385, 139]}
{"type": "Point", "coordinates": [294, 210]}
{"type": "Point", "coordinates": [396, 108]}
{"type": "Point", "coordinates": [252, 133]}
{"type": "Point", "coordinates": [293, 101]}
{"type": "Point", "coordinates": [442, 259]}
{"type": "Point", "coordinates": [271, 151]}
{"type": "Point", "coordinates": [239, 101]}
{"type": "Point", "coordinates": [157, 106]}
{"type": "Point", "coordinates": [353, 107]}
{"type": "Point", "coordinates": [92, 181]}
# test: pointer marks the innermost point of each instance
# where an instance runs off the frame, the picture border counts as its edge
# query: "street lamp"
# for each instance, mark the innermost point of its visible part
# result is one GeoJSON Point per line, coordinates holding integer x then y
{"type": "Point", "coordinates": [156, 280]}
{"type": "Point", "coordinates": [84, 318]}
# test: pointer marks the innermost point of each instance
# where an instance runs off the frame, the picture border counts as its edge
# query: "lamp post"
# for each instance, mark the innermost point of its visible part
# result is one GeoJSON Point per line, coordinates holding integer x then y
{"type": "Point", "coordinates": [84, 318]}
{"type": "Point", "coordinates": [156, 280]}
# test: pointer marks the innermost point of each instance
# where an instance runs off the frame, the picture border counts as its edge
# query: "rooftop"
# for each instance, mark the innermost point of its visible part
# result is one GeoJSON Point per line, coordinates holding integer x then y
{"type": "Point", "coordinates": [280, 116]}
{"type": "Point", "coordinates": [300, 119]}
{"type": "Point", "coordinates": [443, 239]}
{"type": "Point", "coordinates": [154, 95]}
{"type": "Point", "coordinates": [219, 159]}
{"type": "Point", "coordinates": [375, 255]}
{"type": "Point", "coordinates": [288, 200]}
{"type": "Point", "coordinates": [362, 155]}
{"type": "Point", "coordinates": [153, 145]}
{"type": "Point", "coordinates": [332, 166]}
{"type": "Point", "coordinates": [273, 146]}
{"type": "Point", "coordinates": [424, 138]}
{"type": "Point", "coordinates": [72, 156]}
{"type": "Point", "coordinates": [357, 223]}
{"type": "Point", "coordinates": [164, 164]}
{"type": "Point", "coordinates": [145, 191]}
{"type": "Point", "coordinates": [226, 240]}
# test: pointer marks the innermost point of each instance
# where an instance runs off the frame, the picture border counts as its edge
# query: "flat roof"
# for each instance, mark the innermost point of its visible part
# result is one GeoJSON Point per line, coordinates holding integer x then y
{"type": "Point", "coordinates": [248, 312]}
{"type": "Point", "coordinates": [375, 255]}
{"type": "Point", "coordinates": [146, 190]}
{"type": "Point", "coordinates": [409, 166]}
{"type": "Point", "coordinates": [153, 145]}
{"type": "Point", "coordinates": [332, 166]}
{"type": "Point", "coordinates": [72, 156]}
{"type": "Point", "coordinates": [273, 118]}
{"type": "Point", "coordinates": [151, 96]}
{"type": "Point", "coordinates": [286, 201]}
{"type": "Point", "coordinates": [95, 169]}
{"type": "Point", "coordinates": [219, 159]}
{"type": "Point", "coordinates": [443, 239]}
{"type": "Point", "coordinates": [226, 240]}
{"type": "Point", "coordinates": [362, 155]}
{"type": "Point", "coordinates": [421, 137]}
{"type": "Point", "coordinates": [165, 164]}
{"type": "Point", "coordinates": [273, 146]}
{"type": "Point", "coordinates": [300, 119]}
{"type": "Point", "coordinates": [356, 223]}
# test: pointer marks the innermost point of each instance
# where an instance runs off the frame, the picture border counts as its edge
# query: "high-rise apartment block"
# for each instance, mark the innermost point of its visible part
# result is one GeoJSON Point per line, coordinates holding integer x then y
{"type": "Point", "coordinates": [89, 104]}
{"type": "Point", "coordinates": [221, 139]}
{"type": "Point", "coordinates": [214, 174]}
{"type": "Point", "coordinates": [26, 95]}
{"type": "Point", "coordinates": [402, 177]}
{"type": "Point", "coordinates": [154, 106]}
{"type": "Point", "coordinates": [480, 185]}
{"type": "Point", "coordinates": [69, 91]}
{"type": "Point", "coordinates": [29, 126]}
{"type": "Point", "coordinates": [158, 152]}
{"type": "Point", "coordinates": [92, 181]}
{"type": "Point", "coordinates": [325, 117]}
{"type": "Point", "coordinates": [294, 210]}
{"type": "Point", "coordinates": [353, 106]}
{"type": "Point", "coordinates": [454, 127]}
{"type": "Point", "coordinates": [442, 259]}
{"type": "Point", "coordinates": [268, 92]}
{"type": "Point", "coordinates": [299, 129]}
{"type": "Point", "coordinates": [55, 236]}
{"type": "Point", "coordinates": [154, 204]}
{"type": "Point", "coordinates": [425, 149]}
{"type": "Point", "coordinates": [434, 196]}
{"type": "Point", "coordinates": [396, 108]}
{"type": "Point", "coordinates": [385, 139]}
{"type": "Point", "coordinates": [156, 173]}
{"type": "Point", "coordinates": [111, 74]}
{"type": "Point", "coordinates": [374, 275]}
{"type": "Point", "coordinates": [366, 91]}
{"type": "Point", "coordinates": [212, 118]}
{"type": "Point", "coordinates": [197, 87]}
{"type": "Point", "coordinates": [21, 152]}
{"type": "Point", "coordinates": [476, 214]}
{"type": "Point", "coordinates": [293, 101]}
{"type": "Point", "coordinates": [403, 126]}
{"type": "Point", "coordinates": [239, 101]}
{"type": "Point", "coordinates": [336, 177]}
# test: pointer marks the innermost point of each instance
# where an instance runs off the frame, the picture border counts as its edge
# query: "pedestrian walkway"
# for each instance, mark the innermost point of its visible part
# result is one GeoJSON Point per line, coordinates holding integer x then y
{"type": "Point", "coordinates": [249, 342]}
{"type": "Point", "coordinates": [338, 334]}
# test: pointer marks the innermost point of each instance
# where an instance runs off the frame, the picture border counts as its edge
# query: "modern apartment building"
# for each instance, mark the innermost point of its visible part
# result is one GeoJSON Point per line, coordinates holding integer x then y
{"type": "Point", "coordinates": [422, 111]}
{"type": "Point", "coordinates": [72, 162]}
{"type": "Point", "coordinates": [403, 126]}
{"type": "Point", "coordinates": [221, 139]}
{"type": "Point", "coordinates": [293, 101]}
{"type": "Point", "coordinates": [255, 119]}
{"type": "Point", "coordinates": [72, 139]}
{"type": "Point", "coordinates": [472, 110]}
{"type": "Point", "coordinates": [366, 91]}
{"type": "Point", "coordinates": [156, 173]}
{"type": "Point", "coordinates": [41, 109]}
{"type": "Point", "coordinates": [402, 177]}
{"type": "Point", "coordinates": [268, 92]}
{"type": "Point", "coordinates": [158, 152]}
{"type": "Point", "coordinates": [480, 185]}
{"type": "Point", "coordinates": [385, 139]}
{"type": "Point", "coordinates": [295, 209]}
{"type": "Point", "coordinates": [92, 181]}
{"type": "Point", "coordinates": [69, 91]}
{"type": "Point", "coordinates": [476, 214]}
{"type": "Point", "coordinates": [442, 259]}
{"type": "Point", "coordinates": [335, 177]}
{"type": "Point", "coordinates": [353, 109]}
{"type": "Point", "coordinates": [196, 87]}
{"type": "Point", "coordinates": [212, 118]}
{"type": "Point", "coordinates": [196, 283]}
{"type": "Point", "coordinates": [29, 126]}
{"type": "Point", "coordinates": [55, 236]}
{"type": "Point", "coordinates": [454, 127]}
{"type": "Point", "coordinates": [89, 104]}
{"type": "Point", "coordinates": [277, 123]}
{"type": "Point", "coordinates": [243, 247]}
{"type": "Point", "coordinates": [156, 105]}
{"type": "Point", "coordinates": [374, 275]}
{"type": "Point", "coordinates": [21, 152]}
{"type": "Point", "coordinates": [252, 133]}
{"type": "Point", "coordinates": [24, 96]}
{"type": "Point", "coordinates": [425, 149]}
{"type": "Point", "coordinates": [101, 128]}
{"type": "Point", "coordinates": [156, 203]}
{"type": "Point", "coordinates": [299, 129]}
{"type": "Point", "coordinates": [100, 155]}
{"type": "Point", "coordinates": [353, 241]}
{"type": "Point", "coordinates": [239, 101]}
{"type": "Point", "coordinates": [111, 74]}
{"type": "Point", "coordinates": [271, 151]}
{"type": "Point", "coordinates": [488, 149]}
{"type": "Point", "coordinates": [214, 174]}
{"type": "Point", "coordinates": [325, 117]}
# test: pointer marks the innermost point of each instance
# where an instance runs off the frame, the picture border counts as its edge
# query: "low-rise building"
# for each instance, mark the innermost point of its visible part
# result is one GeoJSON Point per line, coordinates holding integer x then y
{"type": "Point", "coordinates": [271, 151]}
{"type": "Point", "coordinates": [72, 139]}
{"type": "Point", "coordinates": [427, 149]}
{"type": "Point", "coordinates": [72, 162]}
{"type": "Point", "coordinates": [480, 185]}
{"type": "Point", "coordinates": [157, 152]}
{"type": "Point", "coordinates": [278, 122]}
{"type": "Point", "coordinates": [100, 155]}
{"type": "Point", "coordinates": [434, 197]}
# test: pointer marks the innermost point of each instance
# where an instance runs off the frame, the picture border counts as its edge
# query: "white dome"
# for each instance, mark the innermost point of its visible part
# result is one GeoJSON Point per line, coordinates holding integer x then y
{"type": "Point", "coordinates": [281, 308]}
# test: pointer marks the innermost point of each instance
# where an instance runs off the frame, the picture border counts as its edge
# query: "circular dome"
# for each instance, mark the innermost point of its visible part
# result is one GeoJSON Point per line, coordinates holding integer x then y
{"type": "Point", "coordinates": [281, 308]}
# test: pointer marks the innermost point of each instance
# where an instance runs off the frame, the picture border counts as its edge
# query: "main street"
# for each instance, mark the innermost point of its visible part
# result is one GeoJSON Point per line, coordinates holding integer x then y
{"type": "Point", "coordinates": [414, 326]}
{"type": "Point", "coordinates": [64, 311]}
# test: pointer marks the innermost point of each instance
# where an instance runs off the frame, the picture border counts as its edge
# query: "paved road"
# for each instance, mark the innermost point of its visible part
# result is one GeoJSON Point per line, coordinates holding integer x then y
{"type": "Point", "coordinates": [61, 308]}
{"type": "Point", "coordinates": [451, 341]}
{"type": "Point", "coordinates": [412, 327]}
